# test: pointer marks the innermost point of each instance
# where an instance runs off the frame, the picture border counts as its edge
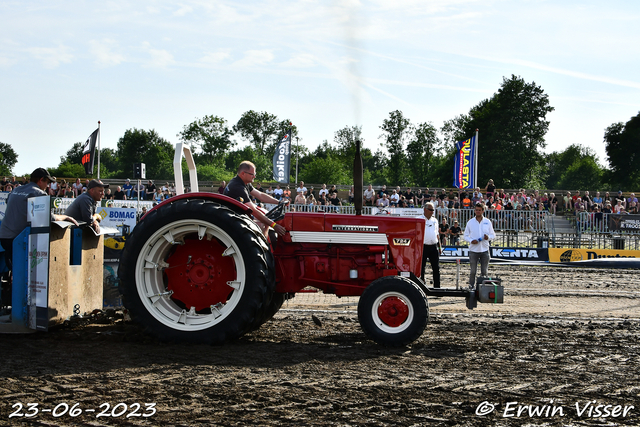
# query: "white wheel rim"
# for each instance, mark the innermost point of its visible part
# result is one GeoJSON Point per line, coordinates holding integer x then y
{"type": "Point", "coordinates": [381, 324]}
{"type": "Point", "coordinates": [150, 283]}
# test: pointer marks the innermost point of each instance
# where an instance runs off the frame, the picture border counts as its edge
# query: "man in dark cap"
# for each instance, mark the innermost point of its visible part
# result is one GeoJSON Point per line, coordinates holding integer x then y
{"type": "Point", "coordinates": [83, 207]}
{"type": "Point", "coordinates": [15, 219]}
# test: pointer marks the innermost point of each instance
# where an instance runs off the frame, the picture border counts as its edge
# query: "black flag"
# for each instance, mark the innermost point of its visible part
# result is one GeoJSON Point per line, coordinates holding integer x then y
{"type": "Point", "coordinates": [89, 152]}
{"type": "Point", "coordinates": [282, 159]}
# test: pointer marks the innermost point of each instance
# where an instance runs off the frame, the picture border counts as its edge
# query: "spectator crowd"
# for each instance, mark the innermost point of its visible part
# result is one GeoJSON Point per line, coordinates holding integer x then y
{"type": "Point", "coordinates": [521, 208]}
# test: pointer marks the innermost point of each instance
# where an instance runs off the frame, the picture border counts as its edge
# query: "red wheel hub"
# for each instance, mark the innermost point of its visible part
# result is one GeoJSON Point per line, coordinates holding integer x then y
{"type": "Point", "coordinates": [198, 273]}
{"type": "Point", "coordinates": [393, 311]}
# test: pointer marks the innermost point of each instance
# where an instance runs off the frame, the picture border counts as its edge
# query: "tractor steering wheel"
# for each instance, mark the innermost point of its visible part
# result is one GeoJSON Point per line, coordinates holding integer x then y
{"type": "Point", "coordinates": [277, 213]}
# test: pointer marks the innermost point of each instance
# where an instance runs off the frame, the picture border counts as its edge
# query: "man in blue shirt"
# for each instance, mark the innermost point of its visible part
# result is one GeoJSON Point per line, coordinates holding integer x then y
{"type": "Point", "coordinates": [127, 187]}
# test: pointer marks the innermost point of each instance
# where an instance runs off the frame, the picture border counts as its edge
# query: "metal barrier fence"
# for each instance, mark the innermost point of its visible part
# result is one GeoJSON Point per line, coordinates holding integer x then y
{"type": "Point", "coordinates": [517, 228]}
{"type": "Point", "coordinates": [62, 203]}
{"type": "Point", "coordinates": [593, 231]}
{"type": "Point", "coordinates": [516, 220]}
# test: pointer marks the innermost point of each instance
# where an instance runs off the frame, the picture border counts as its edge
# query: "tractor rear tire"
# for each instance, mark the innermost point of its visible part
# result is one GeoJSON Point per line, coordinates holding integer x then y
{"type": "Point", "coordinates": [196, 271]}
{"type": "Point", "coordinates": [393, 311]}
{"type": "Point", "coordinates": [272, 308]}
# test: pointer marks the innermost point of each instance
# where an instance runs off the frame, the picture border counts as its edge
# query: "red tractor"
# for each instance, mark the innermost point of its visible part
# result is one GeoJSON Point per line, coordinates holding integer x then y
{"type": "Point", "coordinates": [197, 268]}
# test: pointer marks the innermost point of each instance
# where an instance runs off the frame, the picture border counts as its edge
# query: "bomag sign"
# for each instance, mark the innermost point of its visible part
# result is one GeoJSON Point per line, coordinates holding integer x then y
{"type": "Point", "coordinates": [575, 255]}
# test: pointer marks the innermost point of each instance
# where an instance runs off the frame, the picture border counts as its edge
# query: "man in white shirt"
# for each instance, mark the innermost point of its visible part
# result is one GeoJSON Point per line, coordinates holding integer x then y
{"type": "Point", "coordinates": [278, 192]}
{"type": "Point", "coordinates": [432, 248]}
{"type": "Point", "coordinates": [383, 202]}
{"type": "Point", "coordinates": [301, 189]}
{"type": "Point", "coordinates": [394, 198]}
{"type": "Point", "coordinates": [369, 196]}
{"type": "Point", "coordinates": [478, 232]}
{"type": "Point", "coordinates": [324, 190]}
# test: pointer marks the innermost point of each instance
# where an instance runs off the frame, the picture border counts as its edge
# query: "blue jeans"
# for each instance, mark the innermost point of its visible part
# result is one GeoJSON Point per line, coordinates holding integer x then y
{"type": "Point", "coordinates": [474, 257]}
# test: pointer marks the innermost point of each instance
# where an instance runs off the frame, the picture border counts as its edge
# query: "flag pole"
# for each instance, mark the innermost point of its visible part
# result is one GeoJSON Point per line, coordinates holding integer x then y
{"type": "Point", "coordinates": [475, 160]}
{"type": "Point", "coordinates": [98, 149]}
{"type": "Point", "coordinates": [297, 152]}
{"type": "Point", "coordinates": [289, 166]}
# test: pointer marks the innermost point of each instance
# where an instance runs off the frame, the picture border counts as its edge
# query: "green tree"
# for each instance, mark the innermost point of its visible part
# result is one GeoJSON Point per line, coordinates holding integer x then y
{"type": "Point", "coordinates": [397, 129]}
{"type": "Point", "coordinates": [262, 130]}
{"type": "Point", "coordinates": [264, 166]}
{"type": "Point", "coordinates": [346, 138]}
{"type": "Point", "coordinates": [141, 146]}
{"type": "Point", "coordinates": [210, 172]}
{"type": "Point", "coordinates": [377, 173]}
{"type": "Point", "coordinates": [623, 153]}
{"type": "Point", "coordinates": [584, 173]}
{"type": "Point", "coordinates": [422, 148]}
{"type": "Point", "coordinates": [557, 164]}
{"type": "Point", "coordinates": [8, 159]}
{"type": "Point", "coordinates": [442, 170]}
{"type": "Point", "coordinates": [74, 154]}
{"type": "Point", "coordinates": [211, 135]}
{"type": "Point", "coordinates": [328, 170]}
{"type": "Point", "coordinates": [109, 164]}
{"type": "Point", "coordinates": [512, 126]}
{"type": "Point", "coordinates": [68, 170]}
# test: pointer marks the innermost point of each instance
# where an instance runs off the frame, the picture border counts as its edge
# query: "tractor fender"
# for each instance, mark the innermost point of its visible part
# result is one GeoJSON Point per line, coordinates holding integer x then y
{"type": "Point", "coordinates": [227, 201]}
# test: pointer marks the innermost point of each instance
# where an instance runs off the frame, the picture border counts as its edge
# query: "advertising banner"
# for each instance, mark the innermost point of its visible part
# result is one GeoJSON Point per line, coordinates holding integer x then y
{"type": "Point", "coordinates": [577, 255]}
{"type": "Point", "coordinates": [282, 159]}
{"type": "Point", "coordinates": [121, 219]}
{"type": "Point", "coordinates": [464, 164]}
{"type": "Point", "coordinates": [39, 215]}
{"type": "Point", "coordinates": [624, 222]}
{"type": "Point", "coordinates": [451, 253]}
{"type": "Point", "coordinates": [397, 211]}
{"type": "Point", "coordinates": [3, 203]}
{"type": "Point", "coordinates": [132, 203]}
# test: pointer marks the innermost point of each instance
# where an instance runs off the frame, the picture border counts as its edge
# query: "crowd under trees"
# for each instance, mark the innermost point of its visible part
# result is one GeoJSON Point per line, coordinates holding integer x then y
{"type": "Point", "coordinates": [513, 124]}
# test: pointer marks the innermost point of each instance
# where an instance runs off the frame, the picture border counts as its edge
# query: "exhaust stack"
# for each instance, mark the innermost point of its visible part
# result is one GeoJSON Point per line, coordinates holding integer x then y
{"type": "Point", "coordinates": [357, 179]}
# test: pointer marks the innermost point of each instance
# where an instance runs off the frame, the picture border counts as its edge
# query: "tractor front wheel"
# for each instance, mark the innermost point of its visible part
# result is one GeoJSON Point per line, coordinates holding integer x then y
{"type": "Point", "coordinates": [393, 311]}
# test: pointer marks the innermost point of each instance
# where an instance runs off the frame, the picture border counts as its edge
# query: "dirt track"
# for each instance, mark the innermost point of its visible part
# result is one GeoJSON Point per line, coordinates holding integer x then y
{"type": "Point", "coordinates": [563, 337]}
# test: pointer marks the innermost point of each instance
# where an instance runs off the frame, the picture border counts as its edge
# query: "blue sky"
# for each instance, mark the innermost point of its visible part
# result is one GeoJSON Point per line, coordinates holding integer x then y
{"type": "Point", "coordinates": [64, 65]}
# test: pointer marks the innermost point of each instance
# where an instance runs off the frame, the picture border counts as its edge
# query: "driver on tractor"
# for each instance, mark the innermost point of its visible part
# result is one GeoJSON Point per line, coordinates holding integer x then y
{"type": "Point", "coordinates": [240, 188]}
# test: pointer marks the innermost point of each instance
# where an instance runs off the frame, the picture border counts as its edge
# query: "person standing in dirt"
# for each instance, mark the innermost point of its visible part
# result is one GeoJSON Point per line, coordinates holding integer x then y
{"type": "Point", "coordinates": [240, 188]}
{"type": "Point", "coordinates": [478, 232]}
{"type": "Point", "coordinates": [432, 247]}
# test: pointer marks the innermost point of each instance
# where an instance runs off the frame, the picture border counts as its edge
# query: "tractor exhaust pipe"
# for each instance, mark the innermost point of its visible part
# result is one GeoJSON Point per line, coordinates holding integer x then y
{"type": "Point", "coordinates": [357, 179]}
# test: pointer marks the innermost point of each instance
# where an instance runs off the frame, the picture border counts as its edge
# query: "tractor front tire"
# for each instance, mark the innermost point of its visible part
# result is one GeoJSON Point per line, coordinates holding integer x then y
{"type": "Point", "coordinates": [196, 271]}
{"type": "Point", "coordinates": [393, 311]}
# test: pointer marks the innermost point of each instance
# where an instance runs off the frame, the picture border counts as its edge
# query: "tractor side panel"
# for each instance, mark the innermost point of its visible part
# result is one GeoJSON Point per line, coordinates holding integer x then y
{"type": "Point", "coordinates": [342, 254]}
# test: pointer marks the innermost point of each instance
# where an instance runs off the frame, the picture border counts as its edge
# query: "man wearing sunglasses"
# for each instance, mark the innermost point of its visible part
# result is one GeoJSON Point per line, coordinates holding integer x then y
{"type": "Point", "coordinates": [240, 188]}
{"type": "Point", "coordinates": [432, 248]}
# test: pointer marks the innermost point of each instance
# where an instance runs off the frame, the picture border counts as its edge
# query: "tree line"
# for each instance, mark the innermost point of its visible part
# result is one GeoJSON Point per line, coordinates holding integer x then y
{"type": "Point", "coordinates": [513, 124]}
